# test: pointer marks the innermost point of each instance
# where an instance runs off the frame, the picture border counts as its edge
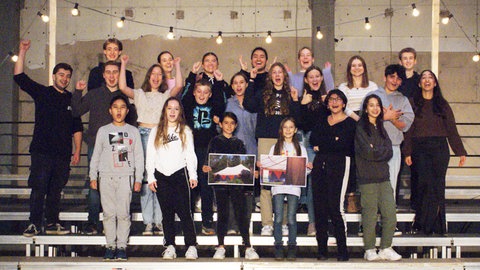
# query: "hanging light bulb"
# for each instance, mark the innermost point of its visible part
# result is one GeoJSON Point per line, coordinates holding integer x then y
{"type": "Point", "coordinates": [476, 57]}
{"type": "Point", "coordinates": [268, 39]}
{"type": "Point", "coordinates": [44, 17]}
{"type": "Point", "coordinates": [446, 16]}
{"type": "Point", "coordinates": [319, 33]}
{"type": "Point", "coordinates": [368, 26]}
{"type": "Point", "coordinates": [121, 23]}
{"type": "Point", "coordinates": [415, 11]}
{"type": "Point", "coordinates": [170, 34]}
{"type": "Point", "coordinates": [219, 38]}
{"type": "Point", "coordinates": [13, 56]}
{"type": "Point", "coordinates": [75, 11]}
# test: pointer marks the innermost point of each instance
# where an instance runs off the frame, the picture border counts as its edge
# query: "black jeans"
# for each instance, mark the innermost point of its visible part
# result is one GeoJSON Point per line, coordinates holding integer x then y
{"type": "Point", "coordinates": [48, 175]}
{"type": "Point", "coordinates": [203, 189]}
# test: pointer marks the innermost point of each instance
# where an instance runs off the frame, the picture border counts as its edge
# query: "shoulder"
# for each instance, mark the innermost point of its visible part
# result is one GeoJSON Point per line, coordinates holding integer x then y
{"type": "Point", "coordinates": [372, 84]}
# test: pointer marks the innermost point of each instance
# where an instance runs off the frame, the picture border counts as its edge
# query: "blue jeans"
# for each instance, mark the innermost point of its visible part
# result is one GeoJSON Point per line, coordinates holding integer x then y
{"type": "Point", "coordinates": [292, 202]}
{"type": "Point", "coordinates": [93, 198]}
{"type": "Point", "coordinates": [307, 194]}
{"type": "Point", "coordinates": [151, 212]}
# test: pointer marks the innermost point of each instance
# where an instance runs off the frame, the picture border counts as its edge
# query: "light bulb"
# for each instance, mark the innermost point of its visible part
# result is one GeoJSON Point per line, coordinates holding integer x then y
{"type": "Point", "coordinates": [415, 11]}
{"type": "Point", "coordinates": [14, 58]}
{"type": "Point", "coordinates": [75, 11]}
{"type": "Point", "coordinates": [368, 26]}
{"type": "Point", "coordinates": [44, 17]}
{"type": "Point", "coordinates": [170, 34]}
{"type": "Point", "coordinates": [219, 38]}
{"type": "Point", "coordinates": [445, 20]}
{"type": "Point", "coordinates": [476, 57]}
{"type": "Point", "coordinates": [319, 33]}
{"type": "Point", "coordinates": [268, 40]}
{"type": "Point", "coordinates": [121, 23]}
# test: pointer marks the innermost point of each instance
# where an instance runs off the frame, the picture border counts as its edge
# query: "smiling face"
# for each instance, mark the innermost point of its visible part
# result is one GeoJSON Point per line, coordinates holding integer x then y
{"type": "Point", "coordinates": [61, 79]}
{"type": "Point", "coordinates": [373, 109]}
{"type": "Point", "coordinates": [210, 64]}
{"type": "Point", "coordinates": [111, 75]}
{"type": "Point", "coordinates": [228, 126]}
{"type": "Point", "coordinates": [239, 85]}
{"type": "Point", "coordinates": [314, 79]}
{"type": "Point", "coordinates": [166, 61]}
{"type": "Point", "coordinates": [357, 68]}
{"type": "Point", "coordinates": [392, 82]}
{"type": "Point", "coordinates": [156, 78]}
{"type": "Point", "coordinates": [259, 60]}
{"type": "Point", "coordinates": [118, 110]}
{"type": "Point", "coordinates": [112, 52]}
{"type": "Point", "coordinates": [288, 130]}
{"type": "Point", "coordinates": [335, 104]}
{"type": "Point", "coordinates": [278, 77]}
{"type": "Point", "coordinates": [305, 58]}
{"type": "Point", "coordinates": [202, 93]}
{"type": "Point", "coordinates": [173, 112]}
{"type": "Point", "coordinates": [408, 61]}
{"type": "Point", "coordinates": [427, 81]}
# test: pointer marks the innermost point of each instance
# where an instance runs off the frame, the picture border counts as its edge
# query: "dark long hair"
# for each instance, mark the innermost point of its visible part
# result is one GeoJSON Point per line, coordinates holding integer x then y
{"type": "Point", "coordinates": [146, 87]}
{"type": "Point", "coordinates": [316, 95]}
{"type": "Point", "coordinates": [365, 123]}
{"type": "Point", "coordinates": [269, 94]}
{"type": "Point", "coordinates": [364, 75]}
{"type": "Point", "coordinates": [277, 150]}
{"type": "Point", "coordinates": [438, 101]}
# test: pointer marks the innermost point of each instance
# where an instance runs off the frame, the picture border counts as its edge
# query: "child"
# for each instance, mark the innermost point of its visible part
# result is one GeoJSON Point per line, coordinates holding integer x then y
{"type": "Point", "coordinates": [287, 145]}
{"type": "Point", "coordinates": [170, 155]}
{"type": "Point", "coordinates": [373, 150]}
{"type": "Point", "coordinates": [117, 158]}
{"type": "Point", "coordinates": [226, 143]}
{"type": "Point", "coordinates": [149, 101]}
{"type": "Point", "coordinates": [204, 102]}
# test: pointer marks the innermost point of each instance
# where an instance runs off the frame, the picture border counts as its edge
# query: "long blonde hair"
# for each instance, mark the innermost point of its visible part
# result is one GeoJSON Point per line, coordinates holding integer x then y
{"type": "Point", "coordinates": [161, 138]}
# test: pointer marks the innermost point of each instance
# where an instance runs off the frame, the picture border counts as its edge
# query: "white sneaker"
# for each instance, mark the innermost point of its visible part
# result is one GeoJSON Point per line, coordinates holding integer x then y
{"type": "Point", "coordinates": [397, 232]}
{"type": "Point", "coordinates": [219, 254]}
{"type": "Point", "coordinates": [191, 253]}
{"type": "Point", "coordinates": [267, 230]}
{"type": "Point", "coordinates": [285, 230]}
{"type": "Point", "coordinates": [251, 254]}
{"type": "Point", "coordinates": [371, 255]}
{"type": "Point", "coordinates": [169, 253]}
{"type": "Point", "coordinates": [148, 229]}
{"type": "Point", "coordinates": [389, 254]}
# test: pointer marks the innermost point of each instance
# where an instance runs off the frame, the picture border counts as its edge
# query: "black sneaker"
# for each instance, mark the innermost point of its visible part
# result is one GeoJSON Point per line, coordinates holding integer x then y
{"type": "Point", "coordinates": [90, 230]}
{"type": "Point", "coordinates": [56, 229]}
{"type": "Point", "coordinates": [109, 254]}
{"type": "Point", "coordinates": [121, 254]}
{"type": "Point", "coordinates": [31, 231]}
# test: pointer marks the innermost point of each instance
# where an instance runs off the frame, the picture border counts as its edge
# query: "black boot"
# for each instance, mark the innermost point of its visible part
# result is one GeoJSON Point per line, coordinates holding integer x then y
{"type": "Point", "coordinates": [292, 253]}
{"type": "Point", "coordinates": [322, 252]}
{"type": "Point", "coordinates": [279, 256]}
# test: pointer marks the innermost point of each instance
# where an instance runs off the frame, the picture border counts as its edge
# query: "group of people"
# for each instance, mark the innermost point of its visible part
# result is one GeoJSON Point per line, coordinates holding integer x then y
{"type": "Point", "coordinates": [156, 140]}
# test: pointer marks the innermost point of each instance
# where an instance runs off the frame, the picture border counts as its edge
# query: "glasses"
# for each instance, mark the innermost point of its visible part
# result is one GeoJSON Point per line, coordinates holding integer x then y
{"type": "Point", "coordinates": [334, 100]}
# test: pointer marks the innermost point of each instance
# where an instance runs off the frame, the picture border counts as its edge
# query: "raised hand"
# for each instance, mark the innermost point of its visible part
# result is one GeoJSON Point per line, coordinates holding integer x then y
{"type": "Point", "coordinates": [218, 75]}
{"type": "Point", "coordinates": [253, 73]}
{"type": "Point", "coordinates": [24, 45]}
{"type": "Point", "coordinates": [306, 99]}
{"type": "Point", "coordinates": [124, 59]}
{"type": "Point", "coordinates": [243, 65]}
{"type": "Point", "coordinates": [81, 85]}
{"type": "Point", "coordinates": [294, 93]}
{"type": "Point", "coordinates": [196, 67]}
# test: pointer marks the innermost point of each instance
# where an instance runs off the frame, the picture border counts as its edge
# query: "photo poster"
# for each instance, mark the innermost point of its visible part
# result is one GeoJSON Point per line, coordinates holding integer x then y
{"type": "Point", "coordinates": [283, 171]}
{"type": "Point", "coordinates": [231, 169]}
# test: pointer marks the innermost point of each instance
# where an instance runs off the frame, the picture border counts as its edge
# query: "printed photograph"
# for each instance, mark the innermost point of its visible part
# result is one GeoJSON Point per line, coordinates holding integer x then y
{"type": "Point", "coordinates": [282, 170]}
{"type": "Point", "coordinates": [231, 169]}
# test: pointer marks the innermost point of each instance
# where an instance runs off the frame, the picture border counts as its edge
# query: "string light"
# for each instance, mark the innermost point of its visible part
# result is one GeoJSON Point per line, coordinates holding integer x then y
{"type": "Point", "coordinates": [219, 38]}
{"type": "Point", "coordinates": [75, 11]}
{"type": "Point", "coordinates": [44, 17]}
{"type": "Point", "coordinates": [446, 16]}
{"type": "Point", "coordinates": [170, 34]}
{"type": "Point", "coordinates": [415, 11]}
{"type": "Point", "coordinates": [476, 57]}
{"type": "Point", "coordinates": [368, 26]}
{"type": "Point", "coordinates": [13, 56]}
{"type": "Point", "coordinates": [268, 39]}
{"type": "Point", "coordinates": [319, 34]}
{"type": "Point", "coordinates": [121, 23]}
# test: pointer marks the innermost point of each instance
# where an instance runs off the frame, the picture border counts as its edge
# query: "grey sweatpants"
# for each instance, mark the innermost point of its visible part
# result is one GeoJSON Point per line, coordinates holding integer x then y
{"type": "Point", "coordinates": [116, 195]}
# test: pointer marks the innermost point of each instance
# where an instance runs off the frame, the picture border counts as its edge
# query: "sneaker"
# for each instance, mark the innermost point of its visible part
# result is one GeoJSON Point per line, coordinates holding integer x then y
{"type": "Point", "coordinates": [121, 254]}
{"type": "Point", "coordinates": [90, 229]}
{"type": "Point", "coordinates": [30, 231]}
{"type": "Point", "coordinates": [371, 255]}
{"type": "Point", "coordinates": [158, 229]}
{"type": "Point", "coordinates": [148, 229]}
{"type": "Point", "coordinates": [292, 253]}
{"type": "Point", "coordinates": [311, 231]}
{"type": "Point", "coordinates": [389, 254]}
{"type": "Point", "coordinates": [397, 232]}
{"type": "Point", "coordinates": [257, 207]}
{"type": "Point", "coordinates": [219, 254]}
{"type": "Point", "coordinates": [208, 231]}
{"type": "Point", "coordinates": [191, 253]}
{"type": "Point", "coordinates": [285, 230]}
{"type": "Point", "coordinates": [251, 254]}
{"type": "Point", "coordinates": [56, 229]}
{"type": "Point", "coordinates": [169, 253]}
{"type": "Point", "coordinates": [360, 231]}
{"type": "Point", "coordinates": [267, 230]}
{"type": "Point", "coordinates": [109, 254]}
{"type": "Point", "coordinates": [232, 232]}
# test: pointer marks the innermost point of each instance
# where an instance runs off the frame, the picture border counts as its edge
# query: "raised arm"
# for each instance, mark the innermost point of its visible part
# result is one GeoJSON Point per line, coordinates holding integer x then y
{"type": "Point", "coordinates": [122, 82]}
{"type": "Point", "coordinates": [178, 78]}
{"type": "Point", "coordinates": [22, 51]}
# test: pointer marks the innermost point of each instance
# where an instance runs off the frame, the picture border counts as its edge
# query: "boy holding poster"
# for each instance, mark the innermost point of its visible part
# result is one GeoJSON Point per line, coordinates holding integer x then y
{"type": "Point", "coordinates": [226, 143]}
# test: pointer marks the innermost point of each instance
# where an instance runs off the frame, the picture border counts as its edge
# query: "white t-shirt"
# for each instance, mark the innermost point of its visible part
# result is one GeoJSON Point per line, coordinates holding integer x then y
{"type": "Point", "coordinates": [149, 105]}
